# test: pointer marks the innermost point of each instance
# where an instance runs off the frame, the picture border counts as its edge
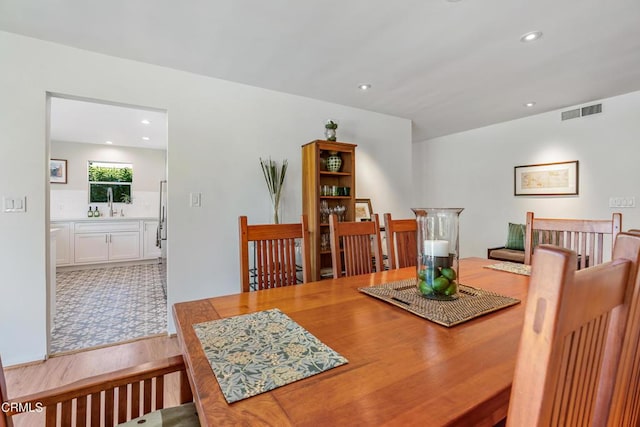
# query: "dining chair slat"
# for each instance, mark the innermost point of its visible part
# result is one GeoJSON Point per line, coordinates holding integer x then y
{"type": "Point", "coordinates": [271, 262]}
{"type": "Point", "coordinates": [122, 404]}
{"type": "Point", "coordinates": [65, 413]}
{"type": "Point", "coordinates": [292, 261]}
{"type": "Point", "coordinates": [51, 417]}
{"type": "Point", "coordinates": [159, 395]}
{"type": "Point", "coordinates": [95, 408]}
{"type": "Point", "coordinates": [81, 411]}
{"type": "Point", "coordinates": [147, 395]}
{"type": "Point", "coordinates": [135, 399]}
{"type": "Point", "coordinates": [108, 406]}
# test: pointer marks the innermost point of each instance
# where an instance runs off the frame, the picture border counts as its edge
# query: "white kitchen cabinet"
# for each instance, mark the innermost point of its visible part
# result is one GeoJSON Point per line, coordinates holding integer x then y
{"type": "Point", "coordinates": [92, 247]}
{"type": "Point", "coordinates": [124, 246]}
{"type": "Point", "coordinates": [64, 247]}
{"type": "Point", "coordinates": [97, 242]}
{"type": "Point", "coordinates": [150, 234]}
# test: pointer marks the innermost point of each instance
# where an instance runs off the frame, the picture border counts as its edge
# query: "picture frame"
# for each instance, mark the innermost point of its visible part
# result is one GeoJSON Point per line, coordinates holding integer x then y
{"type": "Point", "coordinates": [58, 171]}
{"type": "Point", "coordinates": [363, 210]}
{"type": "Point", "coordinates": [546, 179]}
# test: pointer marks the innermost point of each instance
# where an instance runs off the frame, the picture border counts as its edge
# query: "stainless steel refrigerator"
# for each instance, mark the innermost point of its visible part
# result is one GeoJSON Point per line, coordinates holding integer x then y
{"type": "Point", "coordinates": [161, 234]}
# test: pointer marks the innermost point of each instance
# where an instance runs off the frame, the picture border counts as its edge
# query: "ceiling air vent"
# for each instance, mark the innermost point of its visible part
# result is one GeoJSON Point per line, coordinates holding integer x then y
{"type": "Point", "coordinates": [571, 114]}
{"type": "Point", "coordinates": [581, 112]}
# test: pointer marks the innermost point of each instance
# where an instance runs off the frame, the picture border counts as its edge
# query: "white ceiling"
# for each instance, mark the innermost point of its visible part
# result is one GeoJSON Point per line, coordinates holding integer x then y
{"type": "Point", "coordinates": [446, 65]}
{"type": "Point", "coordinates": [95, 123]}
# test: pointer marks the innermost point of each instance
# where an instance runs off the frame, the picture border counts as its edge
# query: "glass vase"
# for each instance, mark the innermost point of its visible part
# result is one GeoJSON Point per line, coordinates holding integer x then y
{"type": "Point", "coordinates": [276, 212]}
{"type": "Point", "coordinates": [438, 249]}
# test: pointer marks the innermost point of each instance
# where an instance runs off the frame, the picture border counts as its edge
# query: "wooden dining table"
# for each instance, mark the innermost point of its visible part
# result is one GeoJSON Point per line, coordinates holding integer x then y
{"type": "Point", "coordinates": [403, 369]}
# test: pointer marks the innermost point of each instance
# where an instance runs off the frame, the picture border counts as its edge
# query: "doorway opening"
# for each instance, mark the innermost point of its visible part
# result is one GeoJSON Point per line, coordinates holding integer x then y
{"type": "Point", "coordinates": [107, 217]}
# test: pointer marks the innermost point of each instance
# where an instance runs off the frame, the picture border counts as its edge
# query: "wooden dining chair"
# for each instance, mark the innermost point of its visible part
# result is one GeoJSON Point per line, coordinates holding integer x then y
{"type": "Point", "coordinates": [570, 345]}
{"type": "Point", "coordinates": [402, 250]}
{"type": "Point", "coordinates": [625, 405]}
{"type": "Point", "coordinates": [585, 236]}
{"type": "Point", "coordinates": [274, 262]}
{"type": "Point", "coordinates": [103, 400]}
{"type": "Point", "coordinates": [358, 244]}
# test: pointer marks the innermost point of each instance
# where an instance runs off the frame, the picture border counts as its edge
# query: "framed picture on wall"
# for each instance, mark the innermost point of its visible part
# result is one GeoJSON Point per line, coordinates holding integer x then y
{"type": "Point", "coordinates": [363, 211]}
{"type": "Point", "coordinates": [547, 179]}
{"type": "Point", "coordinates": [57, 171]}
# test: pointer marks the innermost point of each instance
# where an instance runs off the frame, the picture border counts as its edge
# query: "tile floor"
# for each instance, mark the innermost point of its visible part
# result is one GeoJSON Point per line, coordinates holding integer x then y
{"type": "Point", "coordinates": [108, 305]}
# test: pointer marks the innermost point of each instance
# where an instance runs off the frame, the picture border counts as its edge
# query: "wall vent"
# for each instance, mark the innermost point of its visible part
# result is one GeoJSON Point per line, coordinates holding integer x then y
{"type": "Point", "coordinates": [591, 109]}
{"type": "Point", "coordinates": [571, 114]}
{"type": "Point", "coordinates": [581, 112]}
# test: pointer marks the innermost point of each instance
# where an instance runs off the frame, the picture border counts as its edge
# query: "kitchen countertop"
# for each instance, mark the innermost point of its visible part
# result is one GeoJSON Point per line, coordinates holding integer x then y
{"type": "Point", "coordinates": [107, 218]}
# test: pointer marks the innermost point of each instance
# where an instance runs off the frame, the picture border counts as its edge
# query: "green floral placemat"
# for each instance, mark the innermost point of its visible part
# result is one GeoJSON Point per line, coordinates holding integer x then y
{"type": "Point", "coordinates": [257, 352]}
{"type": "Point", "coordinates": [511, 267]}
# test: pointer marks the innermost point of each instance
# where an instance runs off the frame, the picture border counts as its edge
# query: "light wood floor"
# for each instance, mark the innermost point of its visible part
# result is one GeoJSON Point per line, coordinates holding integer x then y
{"type": "Point", "coordinates": [68, 368]}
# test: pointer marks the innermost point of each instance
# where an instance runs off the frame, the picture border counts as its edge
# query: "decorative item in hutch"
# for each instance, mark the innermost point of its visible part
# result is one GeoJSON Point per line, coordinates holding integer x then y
{"type": "Point", "coordinates": [334, 162]}
{"type": "Point", "coordinates": [330, 130]}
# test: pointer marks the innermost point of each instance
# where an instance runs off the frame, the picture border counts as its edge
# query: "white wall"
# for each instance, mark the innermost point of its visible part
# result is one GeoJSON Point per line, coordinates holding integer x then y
{"type": "Point", "coordinates": [217, 132]}
{"type": "Point", "coordinates": [474, 170]}
{"type": "Point", "coordinates": [71, 200]}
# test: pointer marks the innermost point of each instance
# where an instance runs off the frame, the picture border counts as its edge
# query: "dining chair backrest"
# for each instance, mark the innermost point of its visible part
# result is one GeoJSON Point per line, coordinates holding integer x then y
{"type": "Point", "coordinates": [274, 254]}
{"type": "Point", "coordinates": [570, 345]}
{"type": "Point", "coordinates": [402, 250]}
{"type": "Point", "coordinates": [585, 236]}
{"type": "Point", "coordinates": [358, 244]}
{"type": "Point", "coordinates": [106, 399]}
{"type": "Point", "coordinates": [625, 405]}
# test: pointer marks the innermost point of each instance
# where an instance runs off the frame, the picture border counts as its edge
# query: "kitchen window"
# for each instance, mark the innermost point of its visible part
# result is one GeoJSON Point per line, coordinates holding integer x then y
{"type": "Point", "coordinates": [118, 176]}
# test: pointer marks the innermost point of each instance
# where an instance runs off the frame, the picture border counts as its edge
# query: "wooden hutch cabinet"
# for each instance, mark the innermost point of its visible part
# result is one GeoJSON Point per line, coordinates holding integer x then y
{"type": "Point", "coordinates": [324, 187]}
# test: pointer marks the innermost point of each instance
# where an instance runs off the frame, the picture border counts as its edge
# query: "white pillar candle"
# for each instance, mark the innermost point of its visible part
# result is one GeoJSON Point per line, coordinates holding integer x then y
{"type": "Point", "coordinates": [436, 248]}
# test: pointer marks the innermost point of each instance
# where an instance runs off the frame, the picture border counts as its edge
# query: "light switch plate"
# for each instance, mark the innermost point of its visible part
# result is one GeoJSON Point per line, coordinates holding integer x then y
{"type": "Point", "coordinates": [622, 202]}
{"type": "Point", "coordinates": [14, 204]}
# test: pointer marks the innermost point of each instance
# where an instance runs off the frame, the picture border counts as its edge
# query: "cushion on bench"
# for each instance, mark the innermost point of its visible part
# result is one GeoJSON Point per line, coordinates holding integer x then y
{"type": "Point", "coordinates": [515, 237]}
{"type": "Point", "coordinates": [504, 254]}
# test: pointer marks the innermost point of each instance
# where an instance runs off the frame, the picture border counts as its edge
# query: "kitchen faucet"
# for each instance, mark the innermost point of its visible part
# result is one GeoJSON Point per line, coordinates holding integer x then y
{"type": "Point", "coordinates": [110, 200]}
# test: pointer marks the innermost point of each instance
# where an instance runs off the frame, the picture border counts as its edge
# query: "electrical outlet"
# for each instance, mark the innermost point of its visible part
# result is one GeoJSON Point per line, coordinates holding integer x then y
{"type": "Point", "coordinates": [195, 200]}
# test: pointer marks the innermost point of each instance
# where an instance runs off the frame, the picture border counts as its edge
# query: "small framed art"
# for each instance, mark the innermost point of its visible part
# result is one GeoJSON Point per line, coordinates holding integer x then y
{"type": "Point", "coordinates": [57, 171]}
{"type": "Point", "coordinates": [363, 211]}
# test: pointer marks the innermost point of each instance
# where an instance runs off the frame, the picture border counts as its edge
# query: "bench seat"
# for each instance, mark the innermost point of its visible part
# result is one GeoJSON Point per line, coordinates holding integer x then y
{"type": "Point", "coordinates": [503, 254]}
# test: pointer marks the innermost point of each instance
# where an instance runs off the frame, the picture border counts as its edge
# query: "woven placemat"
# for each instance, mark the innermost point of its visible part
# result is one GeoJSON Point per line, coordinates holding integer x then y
{"type": "Point", "coordinates": [511, 267]}
{"type": "Point", "coordinates": [472, 302]}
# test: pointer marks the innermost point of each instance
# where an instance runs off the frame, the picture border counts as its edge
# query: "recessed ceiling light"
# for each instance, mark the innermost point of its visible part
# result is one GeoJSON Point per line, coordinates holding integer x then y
{"type": "Point", "coordinates": [145, 122]}
{"type": "Point", "coordinates": [531, 36]}
{"type": "Point", "coordinates": [145, 138]}
{"type": "Point", "coordinates": [529, 104]}
{"type": "Point", "coordinates": [108, 142]}
{"type": "Point", "coordinates": [365, 86]}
